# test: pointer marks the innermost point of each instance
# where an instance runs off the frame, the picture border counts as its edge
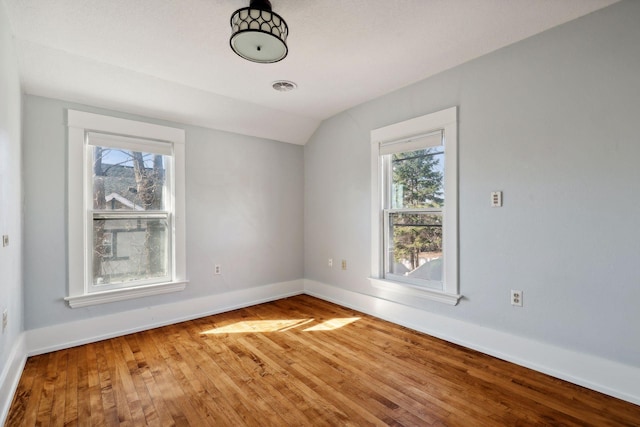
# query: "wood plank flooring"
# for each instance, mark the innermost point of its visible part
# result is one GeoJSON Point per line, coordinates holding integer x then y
{"type": "Point", "coordinates": [298, 361]}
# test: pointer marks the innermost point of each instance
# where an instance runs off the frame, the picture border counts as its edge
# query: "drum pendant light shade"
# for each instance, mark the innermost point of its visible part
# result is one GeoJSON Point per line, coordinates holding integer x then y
{"type": "Point", "coordinates": [259, 34]}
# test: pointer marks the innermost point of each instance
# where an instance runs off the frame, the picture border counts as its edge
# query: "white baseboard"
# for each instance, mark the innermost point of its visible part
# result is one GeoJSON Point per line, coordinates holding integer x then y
{"type": "Point", "coordinates": [66, 335]}
{"type": "Point", "coordinates": [606, 376]}
{"type": "Point", "coordinates": [596, 373]}
{"type": "Point", "coordinates": [10, 376]}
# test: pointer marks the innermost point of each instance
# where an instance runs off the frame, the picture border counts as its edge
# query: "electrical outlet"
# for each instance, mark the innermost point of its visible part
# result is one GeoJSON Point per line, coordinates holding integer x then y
{"type": "Point", "coordinates": [330, 262]}
{"type": "Point", "coordinates": [5, 319]}
{"type": "Point", "coordinates": [217, 269]}
{"type": "Point", "coordinates": [5, 240]}
{"type": "Point", "coordinates": [516, 297]}
{"type": "Point", "coordinates": [344, 264]}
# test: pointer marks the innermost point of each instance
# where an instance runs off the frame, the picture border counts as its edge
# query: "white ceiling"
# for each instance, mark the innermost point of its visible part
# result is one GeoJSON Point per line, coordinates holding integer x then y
{"type": "Point", "coordinates": [171, 59]}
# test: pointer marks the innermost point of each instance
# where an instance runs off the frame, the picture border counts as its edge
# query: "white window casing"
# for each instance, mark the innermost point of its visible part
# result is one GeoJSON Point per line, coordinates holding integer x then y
{"type": "Point", "coordinates": [417, 133]}
{"type": "Point", "coordinates": [139, 136]}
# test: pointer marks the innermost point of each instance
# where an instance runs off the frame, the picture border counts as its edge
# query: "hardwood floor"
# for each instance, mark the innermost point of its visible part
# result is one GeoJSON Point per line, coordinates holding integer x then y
{"type": "Point", "coordinates": [298, 361]}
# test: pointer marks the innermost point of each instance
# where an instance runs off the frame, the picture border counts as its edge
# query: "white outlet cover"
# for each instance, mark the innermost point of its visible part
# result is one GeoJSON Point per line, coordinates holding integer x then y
{"type": "Point", "coordinates": [516, 298]}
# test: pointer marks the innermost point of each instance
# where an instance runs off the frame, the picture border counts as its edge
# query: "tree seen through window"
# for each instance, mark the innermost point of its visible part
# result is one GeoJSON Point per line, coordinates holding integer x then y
{"type": "Point", "coordinates": [131, 183]}
{"type": "Point", "coordinates": [417, 184]}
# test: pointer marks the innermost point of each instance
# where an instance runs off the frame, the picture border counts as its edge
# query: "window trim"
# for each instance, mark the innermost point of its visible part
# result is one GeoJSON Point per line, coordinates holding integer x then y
{"type": "Point", "coordinates": [447, 121]}
{"type": "Point", "coordinates": [79, 124]}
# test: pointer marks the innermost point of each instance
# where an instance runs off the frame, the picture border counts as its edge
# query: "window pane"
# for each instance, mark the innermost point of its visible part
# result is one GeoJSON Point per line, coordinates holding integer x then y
{"type": "Point", "coordinates": [129, 249]}
{"type": "Point", "coordinates": [418, 179]}
{"type": "Point", "coordinates": [128, 180]}
{"type": "Point", "coordinates": [107, 245]}
{"type": "Point", "coordinates": [415, 245]}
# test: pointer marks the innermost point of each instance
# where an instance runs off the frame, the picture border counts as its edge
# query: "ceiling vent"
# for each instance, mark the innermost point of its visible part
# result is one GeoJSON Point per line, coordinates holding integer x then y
{"type": "Point", "coordinates": [284, 85]}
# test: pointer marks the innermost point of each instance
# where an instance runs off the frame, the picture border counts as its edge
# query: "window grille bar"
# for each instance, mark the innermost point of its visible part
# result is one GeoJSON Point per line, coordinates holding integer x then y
{"type": "Point", "coordinates": [130, 215]}
{"type": "Point", "coordinates": [430, 211]}
{"type": "Point", "coordinates": [418, 225]}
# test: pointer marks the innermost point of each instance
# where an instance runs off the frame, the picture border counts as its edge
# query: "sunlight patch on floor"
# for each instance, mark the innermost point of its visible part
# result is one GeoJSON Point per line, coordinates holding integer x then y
{"type": "Point", "coordinates": [253, 326]}
{"type": "Point", "coordinates": [279, 325]}
{"type": "Point", "coordinates": [332, 324]}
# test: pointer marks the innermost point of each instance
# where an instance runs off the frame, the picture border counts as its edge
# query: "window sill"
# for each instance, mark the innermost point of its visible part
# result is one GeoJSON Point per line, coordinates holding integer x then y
{"type": "Point", "coordinates": [417, 291]}
{"type": "Point", "coordinates": [105, 297]}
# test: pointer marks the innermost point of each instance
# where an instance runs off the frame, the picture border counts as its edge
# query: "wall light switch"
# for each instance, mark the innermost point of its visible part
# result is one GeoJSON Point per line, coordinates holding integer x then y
{"type": "Point", "coordinates": [496, 199]}
{"type": "Point", "coordinates": [5, 240]}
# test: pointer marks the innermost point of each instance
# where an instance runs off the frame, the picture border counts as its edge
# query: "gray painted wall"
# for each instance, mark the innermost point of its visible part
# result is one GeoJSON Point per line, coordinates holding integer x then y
{"type": "Point", "coordinates": [10, 192]}
{"type": "Point", "coordinates": [553, 122]}
{"type": "Point", "coordinates": [244, 206]}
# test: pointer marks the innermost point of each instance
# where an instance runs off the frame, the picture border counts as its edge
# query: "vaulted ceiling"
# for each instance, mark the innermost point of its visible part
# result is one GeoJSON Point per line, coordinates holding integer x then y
{"type": "Point", "coordinates": [171, 59]}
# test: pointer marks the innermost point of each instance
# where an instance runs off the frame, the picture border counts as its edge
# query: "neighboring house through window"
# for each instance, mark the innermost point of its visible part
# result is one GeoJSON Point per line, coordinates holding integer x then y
{"type": "Point", "coordinates": [414, 199]}
{"type": "Point", "coordinates": [126, 209]}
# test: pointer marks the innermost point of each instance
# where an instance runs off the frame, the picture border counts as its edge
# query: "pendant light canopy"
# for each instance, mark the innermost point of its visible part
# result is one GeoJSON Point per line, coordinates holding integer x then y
{"type": "Point", "coordinates": [259, 34]}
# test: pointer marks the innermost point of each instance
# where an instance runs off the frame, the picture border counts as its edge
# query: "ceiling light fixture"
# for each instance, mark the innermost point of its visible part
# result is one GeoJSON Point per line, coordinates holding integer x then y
{"type": "Point", "coordinates": [258, 33]}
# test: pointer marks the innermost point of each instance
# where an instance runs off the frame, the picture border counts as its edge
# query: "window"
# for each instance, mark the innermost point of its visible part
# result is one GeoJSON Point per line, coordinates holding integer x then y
{"type": "Point", "coordinates": [414, 200]}
{"type": "Point", "coordinates": [126, 209]}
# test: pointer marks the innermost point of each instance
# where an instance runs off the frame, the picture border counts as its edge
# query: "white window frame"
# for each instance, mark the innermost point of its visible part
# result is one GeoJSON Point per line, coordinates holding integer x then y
{"type": "Point", "coordinates": [406, 131]}
{"type": "Point", "coordinates": [80, 244]}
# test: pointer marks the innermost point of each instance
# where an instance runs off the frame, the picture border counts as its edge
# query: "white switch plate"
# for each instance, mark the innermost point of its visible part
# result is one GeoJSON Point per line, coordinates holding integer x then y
{"type": "Point", "coordinates": [496, 199]}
